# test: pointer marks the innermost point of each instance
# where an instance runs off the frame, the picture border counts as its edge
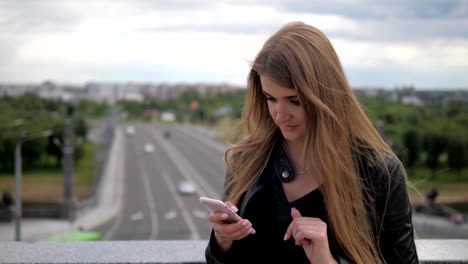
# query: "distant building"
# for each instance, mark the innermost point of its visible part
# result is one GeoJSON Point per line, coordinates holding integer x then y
{"type": "Point", "coordinates": [50, 90]}
{"type": "Point", "coordinates": [168, 116]}
{"type": "Point", "coordinates": [102, 92]}
{"type": "Point", "coordinates": [17, 90]}
{"type": "Point", "coordinates": [411, 99]}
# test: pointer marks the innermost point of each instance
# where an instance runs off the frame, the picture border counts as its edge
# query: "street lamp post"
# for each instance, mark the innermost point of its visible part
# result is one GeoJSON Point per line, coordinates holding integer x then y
{"type": "Point", "coordinates": [18, 166]}
{"type": "Point", "coordinates": [18, 169]}
{"type": "Point", "coordinates": [68, 151]}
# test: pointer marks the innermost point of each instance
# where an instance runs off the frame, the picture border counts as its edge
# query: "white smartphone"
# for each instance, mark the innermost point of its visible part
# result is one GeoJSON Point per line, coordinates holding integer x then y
{"type": "Point", "coordinates": [219, 206]}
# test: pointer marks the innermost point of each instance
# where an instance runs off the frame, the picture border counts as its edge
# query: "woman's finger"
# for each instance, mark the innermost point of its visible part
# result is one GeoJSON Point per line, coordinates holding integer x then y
{"type": "Point", "coordinates": [232, 206]}
{"type": "Point", "coordinates": [295, 215]}
{"type": "Point", "coordinates": [234, 231]}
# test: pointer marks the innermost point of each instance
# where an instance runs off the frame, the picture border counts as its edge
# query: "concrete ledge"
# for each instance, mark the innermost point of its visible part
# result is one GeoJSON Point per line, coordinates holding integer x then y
{"type": "Point", "coordinates": [188, 251]}
{"type": "Point", "coordinates": [184, 251]}
{"type": "Point", "coordinates": [435, 251]}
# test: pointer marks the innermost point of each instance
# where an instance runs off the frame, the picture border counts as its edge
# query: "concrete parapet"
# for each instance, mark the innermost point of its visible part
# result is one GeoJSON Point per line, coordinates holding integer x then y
{"type": "Point", "coordinates": [180, 251]}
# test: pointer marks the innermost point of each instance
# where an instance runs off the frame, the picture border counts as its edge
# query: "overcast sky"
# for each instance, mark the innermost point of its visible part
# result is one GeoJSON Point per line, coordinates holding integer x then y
{"type": "Point", "coordinates": [383, 43]}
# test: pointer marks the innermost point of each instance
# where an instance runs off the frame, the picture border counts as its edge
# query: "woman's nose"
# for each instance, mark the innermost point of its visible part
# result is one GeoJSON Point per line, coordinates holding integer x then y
{"type": "Point", "coordinates": [282, 113]}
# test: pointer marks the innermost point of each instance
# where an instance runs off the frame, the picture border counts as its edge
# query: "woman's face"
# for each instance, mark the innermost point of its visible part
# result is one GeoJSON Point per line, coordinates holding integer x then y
{"type": "Point", "coordinates": [285, 109]}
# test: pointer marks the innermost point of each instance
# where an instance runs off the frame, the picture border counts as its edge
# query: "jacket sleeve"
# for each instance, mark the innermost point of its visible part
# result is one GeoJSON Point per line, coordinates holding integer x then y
{"type": "Point", "coordinates": [396, 236]}
{"type": "Point", "coordinates": [213, 253]}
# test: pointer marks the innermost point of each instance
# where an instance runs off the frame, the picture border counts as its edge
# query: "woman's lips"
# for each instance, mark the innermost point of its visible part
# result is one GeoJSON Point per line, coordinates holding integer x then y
{"type": "Point", "coordinates": [289, 127]}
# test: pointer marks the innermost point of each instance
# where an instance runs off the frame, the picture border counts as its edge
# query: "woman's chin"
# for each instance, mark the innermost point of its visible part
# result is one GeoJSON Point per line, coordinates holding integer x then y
{"type": "Point", "coordinates": [289, 136]}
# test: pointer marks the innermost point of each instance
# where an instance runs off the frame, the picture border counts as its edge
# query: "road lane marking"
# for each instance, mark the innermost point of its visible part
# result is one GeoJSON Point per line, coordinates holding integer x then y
{"type": "Point", "coordinates": [186, 169]}
{"type": "Point", "coordinates": [137, 216]}
{"type": "Point", "coordinates": [200, 214]}
{"type": "Point", "coordinates": [218, 146]}
{"type": "Point", "coordinates": [195, 234]}
{"type": "Point", "coordinates": [172, 214]}
{"type": "Point", "coordinates": [150, 201]}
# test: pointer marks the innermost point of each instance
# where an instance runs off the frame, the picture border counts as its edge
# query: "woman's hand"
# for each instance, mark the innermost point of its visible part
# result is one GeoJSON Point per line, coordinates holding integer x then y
{"type": "Point", "coordinates": [311, 233]}
{"type": "Point", "coordinates": [225, 233]}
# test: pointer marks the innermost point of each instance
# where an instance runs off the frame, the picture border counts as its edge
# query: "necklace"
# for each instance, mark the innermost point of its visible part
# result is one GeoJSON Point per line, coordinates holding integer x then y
{"type": "Point", "coordinates": [300, 170]}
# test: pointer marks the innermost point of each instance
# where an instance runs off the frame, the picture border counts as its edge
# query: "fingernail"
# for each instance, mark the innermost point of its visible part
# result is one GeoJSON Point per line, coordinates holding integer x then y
{"type": "Point", "coordinates": [224, 216]}
{"type": "Point", "coordinates": [245, 223]}
{"type": "Point", "coordinates": [234, 209]}
{"type": "Point", "coordinates": [252, 231]}
{"type": "Point", "coordinates": [285, 237]}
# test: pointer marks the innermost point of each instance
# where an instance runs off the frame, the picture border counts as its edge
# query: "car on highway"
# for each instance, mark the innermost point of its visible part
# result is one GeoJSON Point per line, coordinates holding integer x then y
{"type": "Point", "coordinates": [186, 188]}
{"type": "Point", "coordinates": [149, 148]}
{"type": "Point", "coordinates": [130, 131]}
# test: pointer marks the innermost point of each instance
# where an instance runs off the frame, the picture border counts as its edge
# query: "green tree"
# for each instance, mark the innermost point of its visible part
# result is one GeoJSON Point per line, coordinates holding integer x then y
{"type": "Point", "coordinates": [434, 144]}
{"type": "Point", "coordinates": [32, 151]}
{"type": "Point", "coordinates": [55, 144]}
{"type": "Point", "coordinates": [412, 143]}
{"type": "Point", "coordinates": [456, 149]}
{"type": "Point", "coordinates": [80, 127]}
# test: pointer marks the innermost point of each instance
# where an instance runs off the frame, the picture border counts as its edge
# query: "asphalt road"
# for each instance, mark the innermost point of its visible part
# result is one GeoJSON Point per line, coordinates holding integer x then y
{"type": "Point", "coordinates": [153, 207]}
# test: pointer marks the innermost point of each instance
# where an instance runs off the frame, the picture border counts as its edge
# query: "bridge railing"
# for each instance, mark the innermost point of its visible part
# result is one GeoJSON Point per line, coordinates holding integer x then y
{"type": "Point", "coordinates": [430, 251]}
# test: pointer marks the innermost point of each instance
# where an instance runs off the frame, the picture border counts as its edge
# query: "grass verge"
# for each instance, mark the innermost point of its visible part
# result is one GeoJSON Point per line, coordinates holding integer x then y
{"type": "Point", "coordinates": [46, 186]}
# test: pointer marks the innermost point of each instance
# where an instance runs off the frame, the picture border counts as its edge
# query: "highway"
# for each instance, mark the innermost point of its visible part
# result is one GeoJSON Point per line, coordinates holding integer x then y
{"type": "Point", "coordinates": [155, 165]}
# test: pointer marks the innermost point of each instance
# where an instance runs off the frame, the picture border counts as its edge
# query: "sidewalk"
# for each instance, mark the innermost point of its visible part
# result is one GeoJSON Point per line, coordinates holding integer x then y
{"type": "Point", "coordinates": [34, 229]}
{"type": "Point", "coordinates": [109, 201]}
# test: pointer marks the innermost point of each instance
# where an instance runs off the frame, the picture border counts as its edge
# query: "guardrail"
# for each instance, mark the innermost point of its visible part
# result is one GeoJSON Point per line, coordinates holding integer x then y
{"type": "Point", "coordinates": [430, 251]}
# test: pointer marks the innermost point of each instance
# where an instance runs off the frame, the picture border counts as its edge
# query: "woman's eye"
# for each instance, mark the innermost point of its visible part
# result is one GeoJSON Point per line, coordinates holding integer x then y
{"type": "Point", "coordinates": [269, 98]}
{"type": "Point", "coordinates": [295, 102]}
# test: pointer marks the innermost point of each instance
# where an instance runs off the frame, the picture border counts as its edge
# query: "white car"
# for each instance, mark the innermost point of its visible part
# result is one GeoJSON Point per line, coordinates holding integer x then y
{"type": "Point", "coordinates": [149, 148]}
{"type": "Point", "coordinates": [130, 131]}
{"type": "Point", "coordinates": [186, 188]}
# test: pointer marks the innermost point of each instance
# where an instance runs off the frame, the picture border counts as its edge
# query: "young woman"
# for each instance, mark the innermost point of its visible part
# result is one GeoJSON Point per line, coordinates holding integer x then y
{"type": "Point", "coordinates": [311, 175]}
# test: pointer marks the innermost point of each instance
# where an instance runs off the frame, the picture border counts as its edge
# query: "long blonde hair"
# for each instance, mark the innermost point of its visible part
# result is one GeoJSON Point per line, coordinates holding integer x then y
{"type": "Point", "coordinates": [301, 57]}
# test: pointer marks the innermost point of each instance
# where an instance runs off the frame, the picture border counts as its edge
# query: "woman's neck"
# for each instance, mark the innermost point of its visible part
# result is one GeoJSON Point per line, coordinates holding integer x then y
{"type": "Point", "coordinates": [295, 151]}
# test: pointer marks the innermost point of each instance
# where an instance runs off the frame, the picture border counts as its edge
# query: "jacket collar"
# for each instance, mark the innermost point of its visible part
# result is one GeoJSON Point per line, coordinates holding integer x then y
{"type": "Point", "coordinates": [277, 165]}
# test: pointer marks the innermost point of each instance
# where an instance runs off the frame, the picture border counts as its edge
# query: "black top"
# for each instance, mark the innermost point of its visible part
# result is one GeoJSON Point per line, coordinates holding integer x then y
{"type": "Point", "coordinates": [269, 211]}
{"type": "Point", "coordinates": [270, 214]}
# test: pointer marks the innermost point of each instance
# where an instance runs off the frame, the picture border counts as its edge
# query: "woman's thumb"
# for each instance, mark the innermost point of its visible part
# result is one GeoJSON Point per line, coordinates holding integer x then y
{"type": "Point", "coordinates": [232, 206]}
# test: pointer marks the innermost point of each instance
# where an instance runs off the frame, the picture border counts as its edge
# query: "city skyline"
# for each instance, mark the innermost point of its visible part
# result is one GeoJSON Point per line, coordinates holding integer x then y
{"type": "Point", "coordinates": [381, 44]}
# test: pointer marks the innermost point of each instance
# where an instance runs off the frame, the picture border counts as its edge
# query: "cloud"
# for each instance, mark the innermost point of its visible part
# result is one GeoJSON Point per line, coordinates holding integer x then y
{"type": "Point", "coordinates": [199, 40]}
{"type": "Point", "coordinates": [23, 17]}
{"type": "Point", "coordinates": [419, 55]}
{"type": "Point", "coordinates": [383, 9]}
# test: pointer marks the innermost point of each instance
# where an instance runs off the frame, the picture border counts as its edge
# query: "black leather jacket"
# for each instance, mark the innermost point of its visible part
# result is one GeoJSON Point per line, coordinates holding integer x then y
{"type": "Point", "coordinates": [393, 236]}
